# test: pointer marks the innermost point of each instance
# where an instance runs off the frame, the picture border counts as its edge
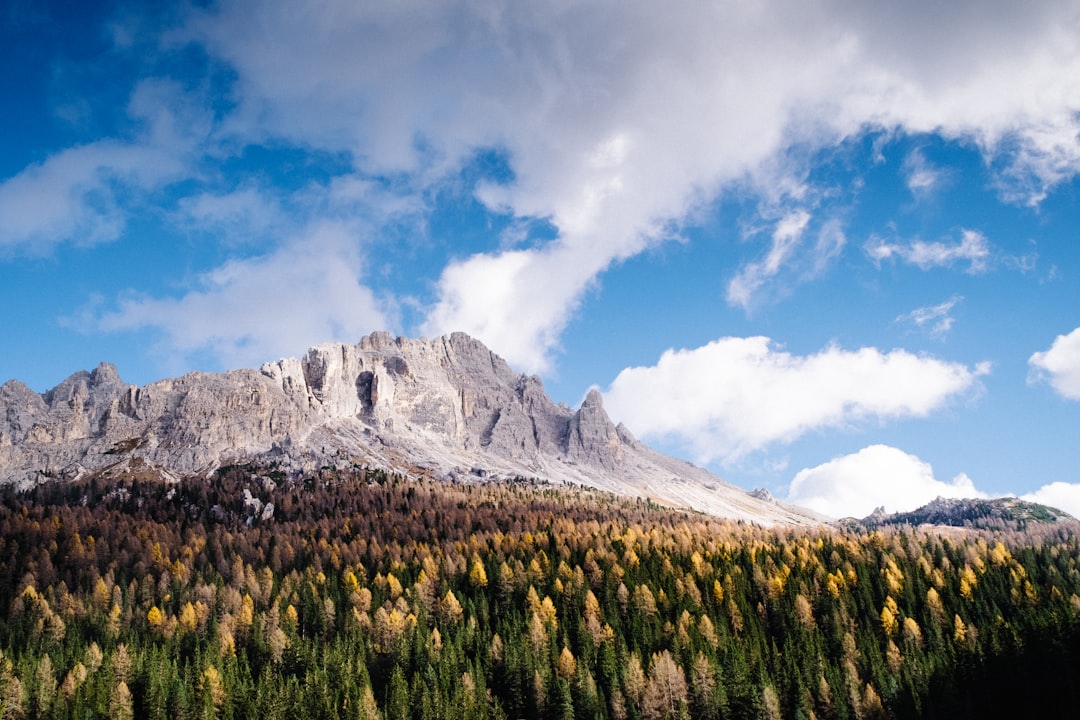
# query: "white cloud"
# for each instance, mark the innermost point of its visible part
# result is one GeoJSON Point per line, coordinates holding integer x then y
{"type": "Point", "coordinates": [482, 296]}
{"type": "Point", "coordinates": [789, 261]}
{"type": "Point", "coordinates": [751, 277]}
{"type": "Point", "coordinates": [922, 177]}
{"type": "Point", "coordinates": [1061, 495]}
{"type": "Point", "coordinates": [619, 119]}
{"type": "Point", "coordinates": [972, 248]}
{"type": "Point", "coordinates": [256, 309]}
{"type": "Point", "coordinates": [243, 215]}
{"type": "Point", "coordinates": [1060, 365]}
{"type": "Point", "coordinates": [937, 317]}
{"type": "Point", "coordinates": [70, 195]}
{"type": "Point", "coordinates": [74, 194]}
{"type": "Point", "coordinates": [876, 476]}
{"type": "Point", "coordinates": [737, 395]}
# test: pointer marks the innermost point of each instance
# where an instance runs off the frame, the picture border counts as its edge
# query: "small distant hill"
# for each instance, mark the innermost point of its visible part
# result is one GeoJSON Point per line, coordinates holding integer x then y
{"type": "Point", "coordinates": [1007, 513]}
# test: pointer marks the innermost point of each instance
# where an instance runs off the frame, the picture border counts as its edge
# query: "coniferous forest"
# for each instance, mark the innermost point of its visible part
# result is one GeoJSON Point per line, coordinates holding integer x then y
{"type": "Point", "coordinates": [366, 595]}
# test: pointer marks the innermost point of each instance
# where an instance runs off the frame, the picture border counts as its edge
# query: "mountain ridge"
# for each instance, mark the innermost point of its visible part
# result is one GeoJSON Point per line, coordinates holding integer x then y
{"type": "Point", "coordinates": [1003, 513]}
{"type": "Point", "coordinates": [447, 407]}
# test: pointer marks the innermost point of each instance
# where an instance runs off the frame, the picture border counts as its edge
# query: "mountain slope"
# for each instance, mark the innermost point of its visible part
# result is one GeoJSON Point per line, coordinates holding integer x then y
{"type": "Point", "coordinates": [447, 407]}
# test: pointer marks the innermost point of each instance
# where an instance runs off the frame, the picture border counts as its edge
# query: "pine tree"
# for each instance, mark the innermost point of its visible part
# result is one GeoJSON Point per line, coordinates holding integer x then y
{"type": "Point", "coordinates": [120, 703]}
{"type": "Point", "coordinates": [397, 696]}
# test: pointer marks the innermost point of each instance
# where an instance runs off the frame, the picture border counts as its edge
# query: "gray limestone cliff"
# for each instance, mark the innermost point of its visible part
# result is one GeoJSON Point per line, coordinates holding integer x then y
{"type": "Point", "coordinates": [447, 407]}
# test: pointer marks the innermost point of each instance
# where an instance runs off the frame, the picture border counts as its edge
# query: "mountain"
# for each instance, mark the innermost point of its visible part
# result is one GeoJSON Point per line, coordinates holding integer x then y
{"type": "Point", "coordinates": [447, 408]}
{"type": "Point", "coordinates": [989, 514]}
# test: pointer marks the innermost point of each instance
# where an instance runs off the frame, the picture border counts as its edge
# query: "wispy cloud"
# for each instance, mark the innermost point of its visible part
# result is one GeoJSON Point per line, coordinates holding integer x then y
{"type": "Point", "coordinates": [738, 395]}
{"type": "Point", "coordinates": [245, 215]}
{"type": "Point", "coordinates": [972, 249]}
{"type": "Point", "coordinates": [752, 276]}
{"type": "Point", "coordinates": [791, 260]}
{"type": "Point", "coordinates": [1059, 365]}
{"type": "Point", "coordinates": [937, 318]}
{"type": "Point", "coordinates": [72, 196]}
{"type": "Point", "coordinates": [250, 310]}
{"type": "Point", "coordinates": [922, 177]}
{"type": "Point", "coordinates": [79, 194]}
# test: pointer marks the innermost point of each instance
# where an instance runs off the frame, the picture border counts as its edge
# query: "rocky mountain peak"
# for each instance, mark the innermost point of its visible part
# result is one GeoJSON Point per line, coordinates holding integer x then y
{"type": "Point", "coordinates": [105, 374]}
{"type": "Point", "coordinates": [446, 407]}
{"type": "Point", "coordinates": [593, 438]}
{"type": "Point", "coordinates": [593, 400]}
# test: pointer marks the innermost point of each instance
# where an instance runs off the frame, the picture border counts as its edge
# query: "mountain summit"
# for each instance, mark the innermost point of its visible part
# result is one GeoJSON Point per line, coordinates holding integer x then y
{"type": "Point", "coordinates": [447, 408]}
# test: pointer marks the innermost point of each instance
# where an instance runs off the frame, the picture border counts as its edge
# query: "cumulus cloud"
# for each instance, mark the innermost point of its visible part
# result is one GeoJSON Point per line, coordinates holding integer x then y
{"type": "Point", "coordinates": [937, 318]}
{"type": "Point", "coordinates": [255, 309]}
{"type": "Point", "coordinates": [1061, 495]}
{"type": "Point", "coordinates": [619, 119]}
{"type": "Point", "coordinates": [972, 248]}
{"type": "Point", "coordinates": [737, 395]}
{"type": "Point", "coordinates": [1059, 366]}
{"type": "Point", "coordinates": [482, 296]}
{"type": "Point", "coordinates": [876, 476]}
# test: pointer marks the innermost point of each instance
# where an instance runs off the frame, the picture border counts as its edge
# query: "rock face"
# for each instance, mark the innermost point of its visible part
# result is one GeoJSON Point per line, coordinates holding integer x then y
{"type": "Point", "coordinates": [446, 407]}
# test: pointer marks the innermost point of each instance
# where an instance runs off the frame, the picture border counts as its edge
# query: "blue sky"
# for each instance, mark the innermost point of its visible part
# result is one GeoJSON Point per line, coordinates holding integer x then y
{"type": "Point", "coordinates": [829, 249]}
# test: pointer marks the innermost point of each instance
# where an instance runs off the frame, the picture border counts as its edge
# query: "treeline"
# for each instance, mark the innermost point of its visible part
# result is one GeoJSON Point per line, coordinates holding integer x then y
{"type": "Point", "coordinates": [363, 595]}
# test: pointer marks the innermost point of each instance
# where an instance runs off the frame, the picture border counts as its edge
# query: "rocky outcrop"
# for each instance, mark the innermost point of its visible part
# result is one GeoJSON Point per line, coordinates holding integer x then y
{"type": "Point", "coordinates": [447, 407]}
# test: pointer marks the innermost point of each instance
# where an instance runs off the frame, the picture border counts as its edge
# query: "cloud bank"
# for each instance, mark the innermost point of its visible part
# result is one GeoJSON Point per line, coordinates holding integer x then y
{"type": "Point", "coordinates": [738, 395]}
{"type": "Point", "coordinates": [876, 476]}
{"type": "Point", "coordinates": [882, 476]}
{"type": "Point", "coordinates": [620, 119]}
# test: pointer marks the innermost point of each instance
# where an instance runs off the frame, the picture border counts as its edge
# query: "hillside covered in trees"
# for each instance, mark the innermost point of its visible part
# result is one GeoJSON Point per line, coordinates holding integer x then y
{"type": "Point", "coordinates": [371, 596]}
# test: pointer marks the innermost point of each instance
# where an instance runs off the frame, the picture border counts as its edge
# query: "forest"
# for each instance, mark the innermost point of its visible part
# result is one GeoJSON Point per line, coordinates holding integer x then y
{"type": "Point", "coordinates": [366, 595]}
